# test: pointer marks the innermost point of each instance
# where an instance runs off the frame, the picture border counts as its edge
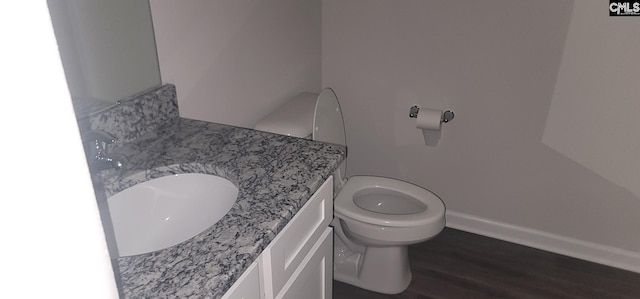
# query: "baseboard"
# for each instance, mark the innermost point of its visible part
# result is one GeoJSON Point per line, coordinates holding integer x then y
{"type": "Point", "coordinates": [592, 252]}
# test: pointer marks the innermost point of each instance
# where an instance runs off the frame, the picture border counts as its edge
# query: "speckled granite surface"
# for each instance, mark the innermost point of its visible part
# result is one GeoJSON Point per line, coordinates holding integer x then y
{"type": "Point", "coordinates": [275, 176]}
{"type": "Point", "coordinates": [135, 117]}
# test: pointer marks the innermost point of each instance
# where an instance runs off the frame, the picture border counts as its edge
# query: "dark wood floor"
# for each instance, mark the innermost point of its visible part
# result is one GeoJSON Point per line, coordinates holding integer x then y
{"type": "Point", "coordinates": [462, 265]}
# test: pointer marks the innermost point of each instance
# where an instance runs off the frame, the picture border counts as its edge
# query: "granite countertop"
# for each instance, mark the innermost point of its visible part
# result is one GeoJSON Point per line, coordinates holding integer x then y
{"type": "Point", "coordinates": [275, 176]}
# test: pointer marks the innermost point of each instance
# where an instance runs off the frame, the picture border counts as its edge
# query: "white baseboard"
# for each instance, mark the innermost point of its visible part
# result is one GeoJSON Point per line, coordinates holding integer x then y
{"type": "Point", "coordinates": [592, 252]}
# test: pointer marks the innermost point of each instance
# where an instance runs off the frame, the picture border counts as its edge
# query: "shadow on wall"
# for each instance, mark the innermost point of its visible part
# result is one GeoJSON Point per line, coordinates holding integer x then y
{"type": "Point", "coordinates": [592, 118]}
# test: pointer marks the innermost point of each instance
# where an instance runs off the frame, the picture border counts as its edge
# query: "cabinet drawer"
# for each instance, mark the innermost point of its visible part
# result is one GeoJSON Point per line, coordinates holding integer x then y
{"type": "Point", "coordinates": [288, 249]}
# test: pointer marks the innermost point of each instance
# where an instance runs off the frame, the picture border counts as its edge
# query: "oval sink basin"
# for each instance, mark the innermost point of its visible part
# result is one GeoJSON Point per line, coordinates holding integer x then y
{"type": "Point", "coordinates": [163, 212]}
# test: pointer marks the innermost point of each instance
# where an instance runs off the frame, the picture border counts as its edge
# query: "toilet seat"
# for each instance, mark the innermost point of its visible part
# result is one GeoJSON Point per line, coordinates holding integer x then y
{"type": "Point", "coordinates": [345, 205]}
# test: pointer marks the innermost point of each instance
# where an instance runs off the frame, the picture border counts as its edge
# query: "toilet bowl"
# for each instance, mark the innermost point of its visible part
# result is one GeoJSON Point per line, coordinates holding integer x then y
{"type": "Point", "coordinates": [375, 218]}
{"type": "Point", "coordinates": [388, 211]}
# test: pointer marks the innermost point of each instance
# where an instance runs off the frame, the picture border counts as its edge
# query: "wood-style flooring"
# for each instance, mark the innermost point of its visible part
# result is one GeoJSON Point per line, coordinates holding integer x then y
{"type": "Point", "coordinates": [460, 265]}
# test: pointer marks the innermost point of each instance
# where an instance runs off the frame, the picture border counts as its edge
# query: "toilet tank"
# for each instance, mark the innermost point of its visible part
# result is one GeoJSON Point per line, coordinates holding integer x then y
{"type": "Point", "coordinates": [293, 118]}
{"type": "Point", "coordinates": [311, 116]}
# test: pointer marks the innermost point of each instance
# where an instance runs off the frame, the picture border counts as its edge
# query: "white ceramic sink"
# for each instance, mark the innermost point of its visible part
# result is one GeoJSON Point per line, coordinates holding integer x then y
{"type": "Point", "coordinates": [163, 212]}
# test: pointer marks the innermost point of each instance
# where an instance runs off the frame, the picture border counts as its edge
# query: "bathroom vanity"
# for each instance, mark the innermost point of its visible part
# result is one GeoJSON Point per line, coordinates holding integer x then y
{"type": "Point", "coordinates": [299, 261]}
{"type": "Point", "coordinates": [274, 242]}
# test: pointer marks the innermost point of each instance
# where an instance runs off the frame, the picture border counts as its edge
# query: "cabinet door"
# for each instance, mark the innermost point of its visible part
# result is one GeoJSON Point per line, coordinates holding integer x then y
{"type": "Point", "coordinates": [313, 279]}
{"type": "Point", "coordinates": [247, 286]}
{"type": "Point", "coordinates": [288, 249]}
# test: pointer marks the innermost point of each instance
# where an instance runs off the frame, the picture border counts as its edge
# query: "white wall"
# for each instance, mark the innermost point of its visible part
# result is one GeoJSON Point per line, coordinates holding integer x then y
{"type": "Point", "coordinates": [496, 63]}
{"type": "Point", "coordinates": [53, 245]}
{"type": "Point", "coordinates": [234, 61]}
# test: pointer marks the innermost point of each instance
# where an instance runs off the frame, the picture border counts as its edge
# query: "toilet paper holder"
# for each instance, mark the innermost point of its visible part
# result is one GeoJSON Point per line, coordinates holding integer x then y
{"type": "Point", "coordinates": [446, 116]}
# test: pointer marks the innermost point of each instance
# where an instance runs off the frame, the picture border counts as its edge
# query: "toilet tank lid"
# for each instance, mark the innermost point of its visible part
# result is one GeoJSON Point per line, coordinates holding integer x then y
{"type": "Point", "coordinates": [293, 118]}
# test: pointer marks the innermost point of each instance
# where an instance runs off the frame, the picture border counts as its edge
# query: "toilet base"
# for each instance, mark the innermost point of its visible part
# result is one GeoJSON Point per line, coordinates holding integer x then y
{"type": "Point", "coordinates": [383, 270]}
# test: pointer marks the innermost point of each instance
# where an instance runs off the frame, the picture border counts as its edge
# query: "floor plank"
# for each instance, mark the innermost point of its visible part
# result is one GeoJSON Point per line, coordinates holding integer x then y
{"type": "Point", "coordinates": [457, 264]}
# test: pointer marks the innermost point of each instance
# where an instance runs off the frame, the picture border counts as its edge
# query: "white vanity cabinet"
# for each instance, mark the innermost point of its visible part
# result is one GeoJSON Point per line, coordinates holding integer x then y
{"type": "Point", "coordinates": [298, 263]}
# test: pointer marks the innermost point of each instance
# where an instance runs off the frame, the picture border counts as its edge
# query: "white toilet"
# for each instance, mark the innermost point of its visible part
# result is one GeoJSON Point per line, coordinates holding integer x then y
{"type": "Point", "coordinates": [376, 218]}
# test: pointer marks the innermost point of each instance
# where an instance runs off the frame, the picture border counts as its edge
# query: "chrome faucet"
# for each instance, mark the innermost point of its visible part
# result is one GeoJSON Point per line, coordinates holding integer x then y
{"type": "Point", "coordinates": [96, 148]}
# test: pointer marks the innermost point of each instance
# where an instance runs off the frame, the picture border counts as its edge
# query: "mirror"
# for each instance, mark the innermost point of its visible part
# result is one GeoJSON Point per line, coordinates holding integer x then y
{"type": "Point", "coordinates": [107, 48]}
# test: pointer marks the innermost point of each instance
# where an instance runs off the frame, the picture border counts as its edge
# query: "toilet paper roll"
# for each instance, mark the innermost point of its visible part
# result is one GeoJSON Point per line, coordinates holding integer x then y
{"type": "Point", "coordinates": [430, 122]}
